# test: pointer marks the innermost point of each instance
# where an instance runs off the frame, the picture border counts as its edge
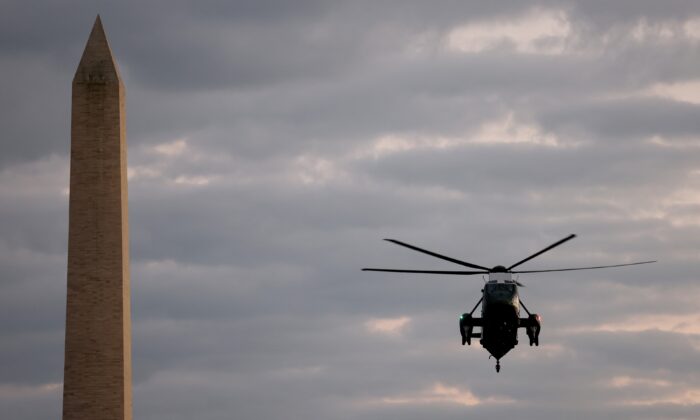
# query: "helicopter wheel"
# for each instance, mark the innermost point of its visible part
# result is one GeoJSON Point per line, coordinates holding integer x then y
{"type": "Point", "coordinates": [498, 366]}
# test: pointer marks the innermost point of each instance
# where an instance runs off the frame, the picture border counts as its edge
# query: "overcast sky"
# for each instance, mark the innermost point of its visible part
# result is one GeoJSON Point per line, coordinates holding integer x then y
{"type": "Point", "coordinates": [274, 143]}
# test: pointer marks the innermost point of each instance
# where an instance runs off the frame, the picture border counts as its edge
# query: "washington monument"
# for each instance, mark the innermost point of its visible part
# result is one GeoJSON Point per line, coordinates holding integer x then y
{"type": "Point", "coordinates": [97, 371]}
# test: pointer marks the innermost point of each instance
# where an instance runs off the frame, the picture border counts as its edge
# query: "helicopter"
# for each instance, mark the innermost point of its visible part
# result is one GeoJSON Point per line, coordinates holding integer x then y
{"type": "Point", "coordinates": [500, 301]}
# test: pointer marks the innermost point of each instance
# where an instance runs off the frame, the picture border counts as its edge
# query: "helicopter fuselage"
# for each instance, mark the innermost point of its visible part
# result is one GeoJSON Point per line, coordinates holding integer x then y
{"type": "Point", "coordinates": [500, 314]}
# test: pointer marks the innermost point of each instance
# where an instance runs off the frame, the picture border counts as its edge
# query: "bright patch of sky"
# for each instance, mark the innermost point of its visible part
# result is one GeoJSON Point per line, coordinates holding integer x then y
{"type": "Point", "coordinates": [440, 393]}
{"type": "Point", "coordinates": [388, 326]}
{"type": "Point", "coordinates": [537, 32]}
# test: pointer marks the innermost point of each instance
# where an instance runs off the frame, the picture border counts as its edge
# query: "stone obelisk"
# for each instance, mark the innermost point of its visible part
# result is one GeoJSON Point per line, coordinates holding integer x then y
{"type": "Point", "coordinates": [97, 372]}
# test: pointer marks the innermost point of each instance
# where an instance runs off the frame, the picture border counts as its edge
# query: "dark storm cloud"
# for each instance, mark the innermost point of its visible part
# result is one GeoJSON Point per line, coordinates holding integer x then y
{"type": "Point", "coordinates": [349, 51]}
{"type": "Point", "coordinates": [34, 114]}
{"type": "Point", "coordinates": [447, 94]}
{"type": "Point", "coordinates": [635, 119]}
{"type": "Point", "coordinates": [260, 186]}
{"type": "Point", "coordinates": [625, 11]}
{"type": "Point", "coordinates": [477, 169]}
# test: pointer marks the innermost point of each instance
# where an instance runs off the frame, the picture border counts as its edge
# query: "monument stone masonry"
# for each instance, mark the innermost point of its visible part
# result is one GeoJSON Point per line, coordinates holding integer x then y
{"type": "Point", "coordinates": [97, 370]}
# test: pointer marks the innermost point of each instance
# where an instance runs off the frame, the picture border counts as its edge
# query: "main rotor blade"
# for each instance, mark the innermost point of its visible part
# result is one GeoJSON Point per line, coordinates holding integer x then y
{"type": "Point", "coordinates": [583, 268]}
{"type": "Point", "coordinates": [443, 257]}
{"type": "Point", "coordinates": [461, 273]}
{"type": "Point", "coordinates": [556, 244]}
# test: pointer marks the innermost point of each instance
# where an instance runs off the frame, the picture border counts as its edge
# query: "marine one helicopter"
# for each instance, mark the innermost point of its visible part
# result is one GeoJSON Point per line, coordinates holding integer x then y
{"type": "Point", "coordinates": [500, 302]}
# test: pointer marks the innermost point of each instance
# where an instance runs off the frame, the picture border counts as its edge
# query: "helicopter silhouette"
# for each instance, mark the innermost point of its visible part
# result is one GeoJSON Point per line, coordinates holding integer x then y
{"type": "Point", "coordinates": [500, 301]}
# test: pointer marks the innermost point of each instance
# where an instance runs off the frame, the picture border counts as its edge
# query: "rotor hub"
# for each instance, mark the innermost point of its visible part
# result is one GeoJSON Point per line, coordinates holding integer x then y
{"type": "Point", "coordinates": [500, 274]}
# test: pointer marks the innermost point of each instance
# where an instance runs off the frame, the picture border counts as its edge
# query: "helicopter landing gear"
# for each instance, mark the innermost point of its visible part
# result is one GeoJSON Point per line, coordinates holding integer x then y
{"type": "Point", "coordinates": [466, 328]}
{"type": "Point", "coordinates": [534, 323]}
{"type": "Point", "coordinates": [498, 365]}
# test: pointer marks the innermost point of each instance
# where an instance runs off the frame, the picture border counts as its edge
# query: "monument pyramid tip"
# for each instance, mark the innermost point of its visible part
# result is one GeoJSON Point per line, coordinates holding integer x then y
{"type": "Point", "coordinates": [97, 60]}
{"type": "Point", "coordinates": [98, 24]}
